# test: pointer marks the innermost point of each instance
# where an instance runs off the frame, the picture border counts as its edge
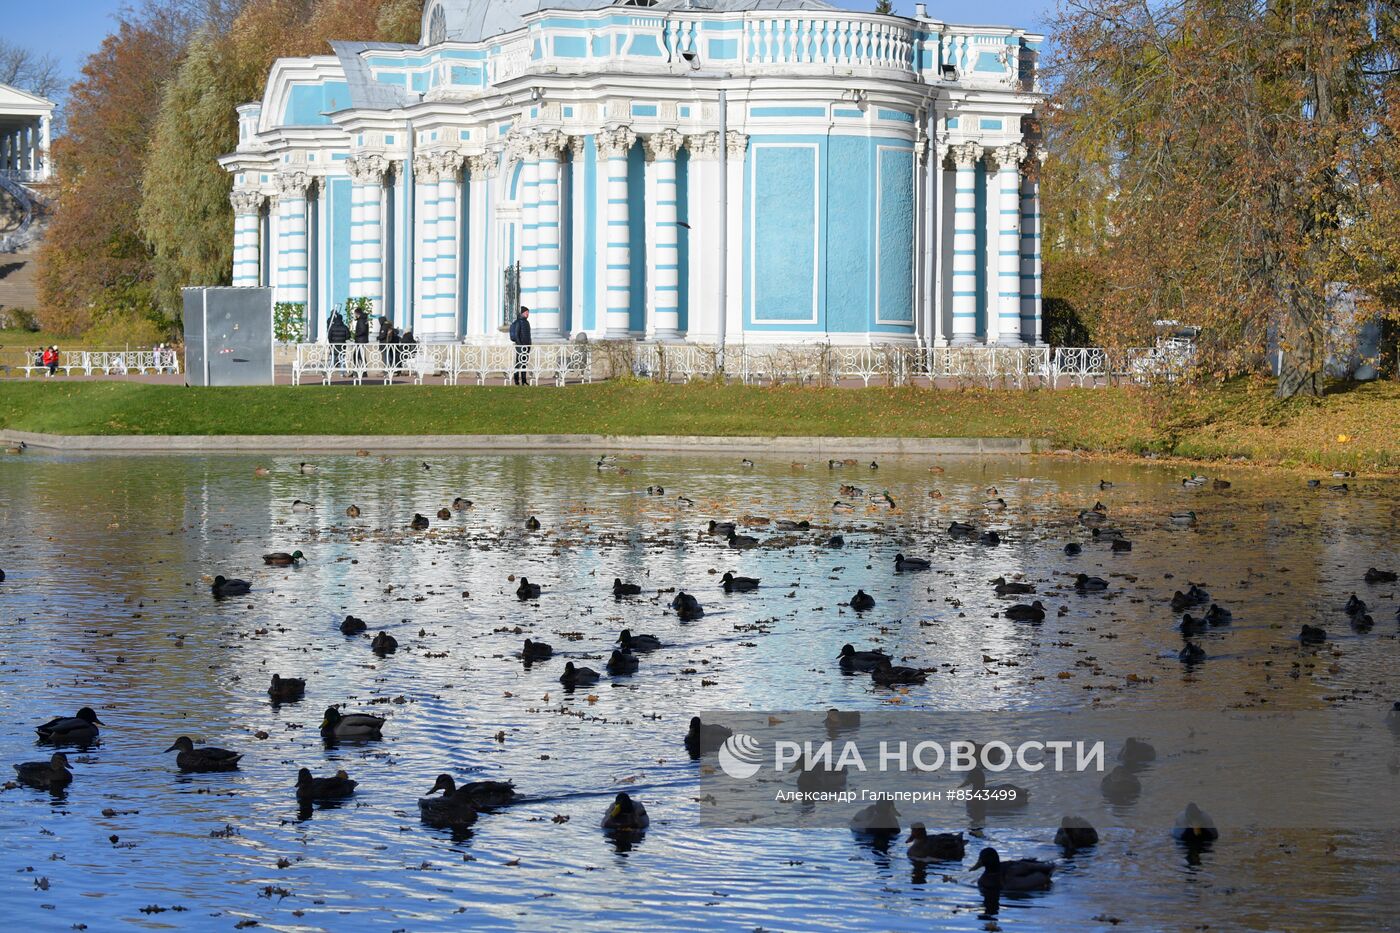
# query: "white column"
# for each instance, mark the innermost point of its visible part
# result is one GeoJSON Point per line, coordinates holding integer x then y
{"type": "Point", "coordinates": [529, 222]}
{"type": "Point", "coordinates": [664, 275]}
{"type": "Point", "coordinates": [46, 142]}
{"type": "Point", "coordinates": [1004, 230]}
{"type": "Point", "coordinates": [964, 157]}
{"type": "Point", "coordinates": [293, 261]}
{"type": "Point", "coordinates": [614, 144]}
{"type": "Point", "coordinates": [940, 334]}
{"type": "Point", "coordinates": [425, 176]}
{"type": "Point", "coordinates": [1030, 251]}
{"type": "Point", "coordinates": [704, 219]}
{"type": "Point", "coordinates": [247, 221]}
{"type": "Point", "coordinates": [366, 228]}
{"type": "Point", "coordinates": [481, 168]}
{"type": "Point", "coordinates": [737, 145]}
{"type": "Point", "coordinates": [578, 230]}
{"type": "Point", "coordinates": [444, 324]}
{"type": "Point", "coordinates": [545, 312]}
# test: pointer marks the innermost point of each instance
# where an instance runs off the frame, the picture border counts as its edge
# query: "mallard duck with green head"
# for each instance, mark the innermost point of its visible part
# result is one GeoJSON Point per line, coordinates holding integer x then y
{"type": "Point", "coordinates": [79, 729]}
{"type": "Point", "coordinates": [1023, 874]}
{"type": "Point", "coordinates": [626, 815]}
{"type": "Point", "coordinates": [338, 725]}
{"type": "Point", "coordinates": [282, 558]}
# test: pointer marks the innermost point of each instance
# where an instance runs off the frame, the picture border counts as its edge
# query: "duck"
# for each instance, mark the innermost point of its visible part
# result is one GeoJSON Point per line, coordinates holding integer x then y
{"type": "Point", "coordinates": [723, 529]}
{"type": "Point", "coordinates": [1024, 874]}
{"type": "Point", "coordinates": [620, 589]}
{"type": "Point", "coordinates": [578, 676]}
{"type": "Point", "coordinates": [961, 529]}
{"type": "Point", "coordinates": [1220, 484]}
{"type": "Point", "coordinates": [625, 815]}
{"type": "Point", "coordinates": [1075, 833]}
{"type": "Point", "coordinates": [1354, 606]}
{"type": "Point", "coordinates": [994, 796]}
{"type": "Point", "coordinates": [1194, 596]}
{"type": "Point", "coordinates": [746, 463]}
{"type": "Point", "coordinates": [1192, 625]}
{"type": "Point", "coordinates": [742, 542]}
{"type": "Point", "coordinates": [637, 644]}
{"type": "Point", "coordinates": [874, 465]}
{"type": "Point", "coordinates": [1136, 751]}
{"type": "Point", "coordinates": [834, 464]}
{"type": "Point", "coordinates": [202, 760]}
{"type": "Point", "coordinates": [45, 775]}
{"type": "Point", "coordinates": [880, 818]}
{"type": "Point", "coordinates": [1191, 653]}
{"type": "Point", "coordinates": [1312, 635]}
{"type": "Point", "coordinates": [862, 601]}
{"type": "Point", "coordinates": [1218, 615]}
{"type": "Point", "coordinates": [79, 729]}
{"type": "Point", "coordinates": [536, 651]}
{"type": "Point", "coordinates": [308, 469]}
{"type": "Point", "coordinates": [453, 808]}
{"type": "Point", "coordinates": [786, 524]}
{"type": "Point", "coordinates": [282, 558]}
{"type": "Point", "coordinates": [687, 607]}
{"type": "Point", "coordinates": [622, 662]}
{"type": "Point", "coordinates": [337, 725]}
{"type": "Point", "coordinates": [835, 541]}
{"type": "Point", "coordinates": [902, 563]}
{"type": "Point", "coordinates": [935, 494]}
{"type": "Point", "coordinates": [224, 586]}
{"type": "Point", "coordinates": [527, 590]}
{"type": "Point", "coordinates": [286, 689]}
{"type": "Point", "coordinates": [352, 511]}
{"type": "Point", "coordinates": [1087, 584]}
{"type": "Point", "coordinates": [353, 626]}
{"type": "Point", "coordinates": [1186, 517]}
{"type": "Point", "coordinates": [334, 787]}
{"type": "Point", "coordinates": [1372, 576]}
{"type": "Point", "coordinates": [419, 523]}
{"type": "Point", "coordinates": [684, 502]}
{"type": "Point", "coordinates": [733, 584]}
{"type": "Point", "coordinates": [864, 661]}
{"type": "Point", "coordinates": [854, 492]}
{"type": "Point", "coordinates": [1021, 612]}
{"type": "Point", "coordinates": [1120, 784]}
{"type": "Point", "coordinates": [888, 675]}
{"type": "Point", "coordinates": [300, 507]}
{"type": "Point", "coordinates": [444, 514]}
{"type": "Point", "coordinates": [883, 500]}
{"type": "Point", "coordinates": [1195, 827]}
{"type": "Point", "coordinates": [532, 524]}
{"type": "Point", "coordinates": [383, 644]}
{"type": "Point", "coordinates": [839, 506]}
{"type": "Point", "coordinates": [838, 720]}
{"type": "Point", "coordinates": [1194, 482]}
{"type": "Point", "coordinates": [1119, 545]}
{"type": "Point", "coordinates": [261, 470]}
{"type": "Point", "coordinates": [1072, 549]}
{"type": "Point", "coordinates": [461, 505]}
{"type": "Point", "coordinates": [656, 491]}
{"type": "Point", "coordinates": [935, 847]}
{"type": "Point", "coordinates": [1362, 622]}
{"type": "Point", "coordinates": [704, 737]}
{"type": "Point", "coordinates": [1105, 484]}
{"type": "Point", "coordinates": [815, 779]}
{"type": "Point", "coordinates": [1004, 587]}
{"type": "Point", "coordinates": [995, 505]}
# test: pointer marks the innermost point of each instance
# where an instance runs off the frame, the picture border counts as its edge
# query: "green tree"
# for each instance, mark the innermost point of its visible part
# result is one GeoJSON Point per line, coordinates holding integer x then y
{"type": "Point", "coordinates": [884, 6]}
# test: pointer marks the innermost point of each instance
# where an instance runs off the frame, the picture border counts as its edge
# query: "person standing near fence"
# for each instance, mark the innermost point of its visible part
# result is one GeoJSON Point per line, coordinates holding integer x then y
{"type": "Point", "coordinates": [520, 336]}
{"type": "Point", "coordinates": [337, 334]}
{"type": "Point", "coordinates": [51, 359]}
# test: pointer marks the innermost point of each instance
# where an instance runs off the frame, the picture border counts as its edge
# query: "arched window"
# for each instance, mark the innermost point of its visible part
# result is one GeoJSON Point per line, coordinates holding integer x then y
{"type": "Point", "coordinates": [437, 26]}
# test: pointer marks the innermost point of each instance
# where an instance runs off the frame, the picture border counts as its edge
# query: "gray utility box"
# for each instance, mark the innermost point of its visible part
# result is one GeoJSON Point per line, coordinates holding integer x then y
{"type": "Point", "coordinates": [228, 336]}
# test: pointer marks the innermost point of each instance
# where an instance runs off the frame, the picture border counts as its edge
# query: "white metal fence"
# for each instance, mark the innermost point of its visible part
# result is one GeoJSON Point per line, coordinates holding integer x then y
{"type": "Point", "coordinates": [808, 364]}
{"type": "Point", "coordinates": [105, 362]}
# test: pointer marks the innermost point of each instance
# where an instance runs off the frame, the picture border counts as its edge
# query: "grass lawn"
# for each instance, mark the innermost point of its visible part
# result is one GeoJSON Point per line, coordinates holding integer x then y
{"type": "Point", "coordinates": [1353, 428]}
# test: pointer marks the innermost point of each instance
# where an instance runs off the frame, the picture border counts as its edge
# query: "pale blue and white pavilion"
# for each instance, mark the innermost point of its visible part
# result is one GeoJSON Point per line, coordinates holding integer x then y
{"type": "Point", "coordinates": [765, 171]}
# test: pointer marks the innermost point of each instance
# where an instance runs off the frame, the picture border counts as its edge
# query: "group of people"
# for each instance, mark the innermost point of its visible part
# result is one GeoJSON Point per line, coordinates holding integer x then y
{"type": "Point", "coordinates": [48, 357]}
{"type": "Point", "coordinates": [338, 334]}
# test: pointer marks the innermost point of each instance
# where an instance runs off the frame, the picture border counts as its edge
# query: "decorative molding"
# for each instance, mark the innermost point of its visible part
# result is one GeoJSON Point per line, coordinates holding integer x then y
{"type": "Point", "coordinates": [548, 144]}
{"type": "Point", "coordinates": [425, 168]}
{"type": "Point", "coordinates": [294, 184]}
{"type": "Point", "coordinates": [577, 146]}
{"type": "Point", "coordinates": [1004, 157]}
{"type": "Point", "coordinates": [965, 155]}
{"type": "Point", "coordinates": [247, 201]}
{"type": "Point", "coordinates": [483, 165]}
{"type": "Point", "coordinates": [738, 143]}
{"type": "Point", "coordinates": [703, 146]}
{"type": "Point", "coordinates": [663, 144]}
{"type": "Point", "coordinates": [367, 169]}
{"type": "Point", "coordinates": [616, 142]}
{"type": "Point", "coordinates": [449, 164]}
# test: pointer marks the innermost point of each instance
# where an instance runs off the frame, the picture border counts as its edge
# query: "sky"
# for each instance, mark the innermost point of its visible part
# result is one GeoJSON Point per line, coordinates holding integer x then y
{"type": "Point", "coordinates": [73, 29]}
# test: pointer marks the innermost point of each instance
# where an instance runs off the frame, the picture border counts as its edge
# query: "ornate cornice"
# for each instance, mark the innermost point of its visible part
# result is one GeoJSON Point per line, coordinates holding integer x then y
{"type": "Point", "coordinates": [615, 142]}
{"type": "Point", "coordinates": [294, 184]}
{"type": "Point", "coordinates": [703, 146]}
{"type": "Point", "coordinates": [483, 165]}
{"type": "Point", "coordinates": [548, 144]}
{"type": "Point", "coordinates": [247, 201]}
{"type": "Point", "coordinates": [663, 144]}
{"type": "Point", "coordinates": [368, 169]}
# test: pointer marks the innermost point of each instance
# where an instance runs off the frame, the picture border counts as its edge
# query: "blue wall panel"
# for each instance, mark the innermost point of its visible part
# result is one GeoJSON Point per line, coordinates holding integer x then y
{"type": "Point", "coordinates": [895, 236]}
{"type": "Point", "coordinates": [308, 104]}
{"type": "Point", "coordinates": [849, 271]}
{"type": "Point", "coordinates": [340, 241]}
{"type": "Point", "coordinates": [784, 231]}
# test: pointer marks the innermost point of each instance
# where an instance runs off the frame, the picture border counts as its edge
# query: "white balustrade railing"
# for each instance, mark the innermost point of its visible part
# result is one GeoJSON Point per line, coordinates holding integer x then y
{"type": "Point", "coordinates": [103, 362]}
{"type": "Point", "coordinates": [773, 39]}
{"type": "Point", "coordinates": [815, 364]}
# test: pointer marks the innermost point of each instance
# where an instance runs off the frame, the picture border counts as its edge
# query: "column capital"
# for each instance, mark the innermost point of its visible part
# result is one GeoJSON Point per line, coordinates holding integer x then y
{"type": "Point", "coordinates": [482, 165]}
{"type": "Point", "coordinates": [964, 155]}
{"type": "Point", "coordinates": [615, 142]}
{"type": "Point", "coordinates": [294, 184]}
{"type": "Point", "coordinates": [246, 200]}
{"type": "Point", "coordinates": [663, 144]}
{"type": "Point", "coordinates": [1009, 156]}
{"type": "Point", "coordinates": [703, 146]}
{"type": "Point", "coordinates": [367, 169]}
{"type": "Point", "coordinates": [577, 146]}
{"type": "Point", "coordinates": [737, 143]}
{"type": "Point", "coordinates": [425, 168]}
{"type": "Point", "coordinates": [449, 164]}
{"type": "Point", "coordinates": [921, 146]}
{"type": "Point", "coordinates": [548, 144]}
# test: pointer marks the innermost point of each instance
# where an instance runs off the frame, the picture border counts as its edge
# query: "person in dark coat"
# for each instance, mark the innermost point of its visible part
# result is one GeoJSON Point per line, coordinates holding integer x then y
{"type": "Point", "coordinates": [337, 335]}
{"type": "Point", "coordinates": [520, 336]}
{"type": "Point", "coordinates": [361, 326]}
{"type": "Point", "coordinates": [384, 328]}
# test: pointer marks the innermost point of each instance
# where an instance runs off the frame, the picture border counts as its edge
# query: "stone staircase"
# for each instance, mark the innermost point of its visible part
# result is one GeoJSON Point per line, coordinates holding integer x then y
{"type": "Point", "coordinates": [22, 222]}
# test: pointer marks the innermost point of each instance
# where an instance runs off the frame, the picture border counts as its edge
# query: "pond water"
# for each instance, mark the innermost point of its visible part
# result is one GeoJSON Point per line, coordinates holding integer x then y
{"type": "Point", "coordinates": [107, 604]}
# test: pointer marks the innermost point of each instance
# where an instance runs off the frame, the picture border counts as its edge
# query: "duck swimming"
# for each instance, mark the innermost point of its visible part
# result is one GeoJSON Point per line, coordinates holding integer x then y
{"type": "Point", "coordinates": [687, 607]}
{"type": "Point", "coordinates": [835, 541]}
{"type": "Point", "coordinates": [383, 644]}
{"type": "Point", "coordinates": [865, 661]}
{"type": "Point", "coordinates": [444, 514]}
{"type": "Point", "coordinates": [622, 662]}
{"type": "Point", "coordinates": [961, 530]}
{"type": "Point", "coordinates": [1191, 625]}
{"type": "Point", "coordinates": [352, 511]}
{"type": "Point", "coordinates": [996, 796]}
{"type": "Point", "coordinates": [855, 492]}
{"type": "Point", "coordinates": [301, 507]}
{"type": "Point", "coordinates": [536, 651]}
{"type": "Point", "coordinates": [620, 589]}
{"type": "Point", "coordinates": [1218, 615]}
{"type": "Point", "coordinates": [224, 586]}
{"type": "Point", "coordinates": [1087, 584]}
{"type": "Point", "coordinates": [1005, 588]}
{"type": "Point", "coordinates": [1186, 517]}
{"type": "Point", "coordinates": [282, 558]}
{"type": "Point", "coordinates": [1194, 596]}
{"type": "Point", "coordinates": [1035, 612]}
{"type": "Point", "coordinates": [1191, 653]}
{"type": "Point", "coordinates": [459, 504]}
{"type": "Point", "coordinates": [742, 542]}
{"type": "Point", "coordinates": [836, 720]}
{"type": "Point", "coordinates": [639, 644]}
{"type": "Point", "coordinates": [337, 725]}
{"type": "Point", "coordinates": [625, 815]}
{"type": "Point", "coordinates": [45, 775]}
{"type": "Point", "coordinates": [532, 524]}
{"type": "Point", "coordinates": [888, 675]}
{"type": "Point", "coordinates": [1120, 784]}
{"type": "Point", "coordinates": [79, 729]}
{"type": "Point", "coordinates": [936, 847]}
{"type": "Point", "coordinates": [1312, 635]}
{"type": "Point", "coordinates": [733, 584]}
{"type": "Point", "coordinates": [862, 601]}
{"type": "Point", "coordinates": [527, 590]}
{"type": "Point", "coordinates": [419, 523]}
{"type": "Point", "coordinates": [202, 760]}
{"type": "Point", "coordinates": [839, 506]}
{"type": "Point", "coordinates": [724, 529]}
{"type": "Point", "coordinates": [453, 808]}
{"type": "Point", "coordinates": [1195, 827]}
{"type": "Point", "coordinates": [702, 737]}
{"type": "Point", "coordinates": [334, 787]}
{"type": "Point", "coordinates": [578, 676]}
{"type": "Point", "coordinates": [1072, 549]}
{"type": "Point", "coordinates": [911, 564]}
{"type": "Point", "coordinates": [286, 689]}
{"type": "Point", "coordinates": [1372, 576]}
{"type": "Point", "coordinates": [880, 818]}
{"type": "Point", "coordinates": [353, 626]}
{"type": "Point", "coordinates": [308, 469]}
{"type": "Point", "coordinates": [1026, 874]}
{"type": "Point", "coordinates": [1075, 833]}
{"type": "Point", "coordinates": [1136, 751]}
